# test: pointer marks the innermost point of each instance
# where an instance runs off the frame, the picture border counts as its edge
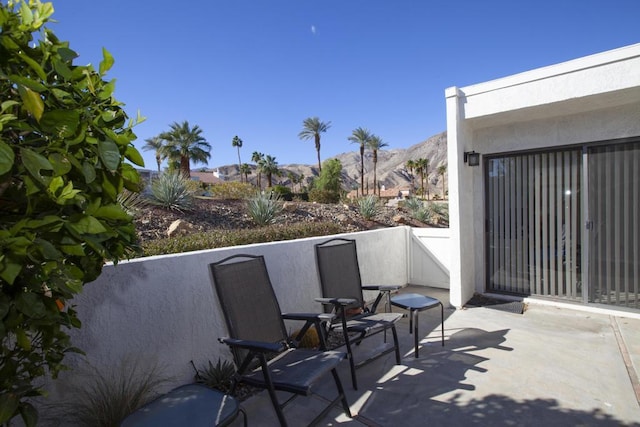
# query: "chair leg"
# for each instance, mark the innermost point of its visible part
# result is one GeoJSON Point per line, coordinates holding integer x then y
{"type": "Point", "coordinates": [272, 391]}
{"type": "Point", "coordinates": [343, 397]}
{"type": "Point", "coordinates": [442, 322]}
{"type": "Point", "coordinates": [416, 344]}
{"type": "Point", "coordinates": [396, 343]}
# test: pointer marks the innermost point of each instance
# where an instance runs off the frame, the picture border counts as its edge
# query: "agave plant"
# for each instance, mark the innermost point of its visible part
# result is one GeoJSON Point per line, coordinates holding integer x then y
{"type": "Point", "coordinates": [172, 190]}
{"type": "Point", "coordinates": [368, 206]}
{"type": "Point", "coordinates": [264, 208]}
{"type": "Point", "coordinates": [218, 376]}
{"type": "Point", "coordinates": [132, 202]}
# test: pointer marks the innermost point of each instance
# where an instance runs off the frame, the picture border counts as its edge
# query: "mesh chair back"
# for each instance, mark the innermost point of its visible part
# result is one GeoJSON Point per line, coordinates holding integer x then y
{"type": "Point", "coordinates": [337, 261]}
{"type": "Point", "coordinates": [248, 301]}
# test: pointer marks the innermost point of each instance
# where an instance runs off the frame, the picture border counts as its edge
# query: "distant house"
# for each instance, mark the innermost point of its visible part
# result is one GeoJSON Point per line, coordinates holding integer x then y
{"type": "Point", "coordinates": [551, 207]}
{"type": "Point", "coordinates": [207, 177]}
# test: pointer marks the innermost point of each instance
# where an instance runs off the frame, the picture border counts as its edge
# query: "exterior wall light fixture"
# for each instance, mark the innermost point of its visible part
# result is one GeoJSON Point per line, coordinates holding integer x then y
{"type": "Point", "coordinates": [471, 158]}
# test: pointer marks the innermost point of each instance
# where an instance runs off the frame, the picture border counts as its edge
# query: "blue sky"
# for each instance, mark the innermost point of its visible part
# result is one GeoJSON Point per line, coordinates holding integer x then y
{"type": "Point", "coordinates": [258, 68]}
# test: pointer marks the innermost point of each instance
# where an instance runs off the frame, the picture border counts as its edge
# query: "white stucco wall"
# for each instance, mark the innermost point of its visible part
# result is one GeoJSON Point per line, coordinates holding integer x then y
{"type": "Point", "coordinates": [163, 309]}
{"type": "Point", "coordinates": [430, 257]}
{"type": "Point", "coordinates": [596, 98]}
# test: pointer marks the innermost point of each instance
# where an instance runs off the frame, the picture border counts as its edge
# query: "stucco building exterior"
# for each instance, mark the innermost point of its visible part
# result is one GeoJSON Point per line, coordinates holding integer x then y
{"type": "Point", "coordinates": [553, 208]}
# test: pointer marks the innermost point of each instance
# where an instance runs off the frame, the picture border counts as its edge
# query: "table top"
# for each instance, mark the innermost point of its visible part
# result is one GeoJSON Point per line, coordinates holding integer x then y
{"type": "Point", "coordinates": [414, 301]}
{"type": "Point", "coordinates": [190, 405]}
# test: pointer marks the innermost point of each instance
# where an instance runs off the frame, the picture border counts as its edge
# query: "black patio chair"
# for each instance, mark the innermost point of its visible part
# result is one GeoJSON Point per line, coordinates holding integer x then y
{"type": "Point", "coordinates": [342, 294]}
{"type": "Point", "coordinates": [265, 356]}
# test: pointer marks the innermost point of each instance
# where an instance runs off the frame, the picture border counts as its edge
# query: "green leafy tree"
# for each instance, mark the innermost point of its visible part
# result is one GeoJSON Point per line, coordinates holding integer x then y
{"type": "Point", "coordinates": [361, 136]}
{"type": "Point", "coordinates": [237, 142]}
{"type": "Point", "coordinates": [269, 167]}
{"type": "Point", "coordinates": [442, 169]}
{"type": "Point", "coordinates": [155, 143]}
{"type": "Point", "coordinates": [312, 127]}
{"type": "Point", "coordinates": [330, 178]}
{"type": "Point", "coordinates": [375, 144]}
{"type": "Point", "coordinates": [257, 158]}
{"type": "Point", "coordinates": [64, 140]}
{"type": "Point", "coordinates": [185, 144]}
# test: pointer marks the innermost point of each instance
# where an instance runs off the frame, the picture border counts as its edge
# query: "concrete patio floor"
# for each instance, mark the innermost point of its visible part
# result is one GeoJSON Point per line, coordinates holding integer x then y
{"type": "Point", "coordinates": [549, 366]}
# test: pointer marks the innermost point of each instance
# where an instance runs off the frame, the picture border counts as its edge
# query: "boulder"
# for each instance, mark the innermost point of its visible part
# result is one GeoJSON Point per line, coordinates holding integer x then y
{"type": "Point", "coordinates": [179, 228]}
{"type": "Point", "coordinates": [399, 219]}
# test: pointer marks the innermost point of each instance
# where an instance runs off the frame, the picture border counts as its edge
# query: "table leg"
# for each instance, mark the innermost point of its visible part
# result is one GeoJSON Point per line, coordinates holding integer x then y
{"type": "Point", "coordinates": [415, 332]}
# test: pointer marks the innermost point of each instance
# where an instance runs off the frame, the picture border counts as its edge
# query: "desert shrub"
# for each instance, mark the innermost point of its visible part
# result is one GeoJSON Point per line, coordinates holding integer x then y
{"type": "Point", "coordinates": [441, 210]}
{"type": "Point", "coordinates": [105, 397]}
{"type": "Point", "coordinates": [300, 197]}
{"type": "Point", "coordinates": [172, 190]}
{"type": "Point", "coordinates": [264, 208]}
{"type": "Point", "coordinates": [226, 238]}
{"type": "Point", "coordinates": [368, 206]}
{"type": "Point", "coordinates": [132, 202]}
{"type": "Point", "coordinates": [310, 339]}
{"type": "Point", "coordinates": [330, 177]}
{"type": "Point", "coordinates": [218, 376]}
{"type": "Point", "coordinates": [418, 210]}
{"type": "Point", "coordinates": [324, 196]}
{"type": "Point", "coordinates": [232, 190]}
{"type": "Point", "coordinates": [66, 152]}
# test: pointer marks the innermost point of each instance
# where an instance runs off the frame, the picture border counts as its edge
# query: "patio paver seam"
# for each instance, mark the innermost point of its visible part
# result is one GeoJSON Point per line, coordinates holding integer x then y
{"type": "Point", "coordinates": [633, 376]}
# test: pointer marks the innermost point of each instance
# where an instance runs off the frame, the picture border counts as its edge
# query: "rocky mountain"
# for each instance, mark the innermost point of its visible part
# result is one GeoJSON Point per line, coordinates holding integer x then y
{"type": "Point", "coordinates": [391, 170]}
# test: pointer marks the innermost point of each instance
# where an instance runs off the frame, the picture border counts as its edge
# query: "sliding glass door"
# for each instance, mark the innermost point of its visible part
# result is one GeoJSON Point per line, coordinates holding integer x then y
{"type": "Point", "coordinates": [533, 223]}
{"type": "Point", "coordinates": [614, 224]}
{"type": "Point", "coordinates": [550, 234]}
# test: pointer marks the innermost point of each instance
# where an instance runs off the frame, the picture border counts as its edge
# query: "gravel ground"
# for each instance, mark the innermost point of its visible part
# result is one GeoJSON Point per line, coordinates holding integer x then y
{"type": "Point", "coordinates": [207, 215]}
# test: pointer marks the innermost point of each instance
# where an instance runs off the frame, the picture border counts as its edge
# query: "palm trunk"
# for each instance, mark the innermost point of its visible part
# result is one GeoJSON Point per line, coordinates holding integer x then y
{"type": "Point", "coordinates": [318, 151]}
{"type": "Point", "coordinates": [375, 182]}
{"type": "Point", "coordinates": [362, 168]}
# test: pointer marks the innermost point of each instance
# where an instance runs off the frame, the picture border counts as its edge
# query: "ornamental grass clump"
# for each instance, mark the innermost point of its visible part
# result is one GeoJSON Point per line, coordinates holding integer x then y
{"type": "Point", "coordinates": [368, 206]}
{"type": "Point", "coordinates": [418, 210]}
{"type": "Point", "coordinates": [264, 208]}
{"type": "Point", "coordinates": [172, 190]}
{"type": "Point", "coordinates": [105, 396]}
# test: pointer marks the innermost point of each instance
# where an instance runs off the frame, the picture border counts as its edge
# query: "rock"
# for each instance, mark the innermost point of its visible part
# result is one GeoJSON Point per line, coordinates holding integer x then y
{"type": "Point", "coordinates": [399, 219]}
{"type": "Point", "coordinates": [179, 228]}
{"type": "Point", "coordinates": [289, 207]}
{"type": "Point", "coordinates": [342, 218]}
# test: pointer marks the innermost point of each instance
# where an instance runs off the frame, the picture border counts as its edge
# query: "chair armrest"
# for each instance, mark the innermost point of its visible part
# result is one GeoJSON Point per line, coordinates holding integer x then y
{"type": "Point", "coordinates": [309, 317]}
{"type": "Point", "coordinates": [381, 287]}
{"type": "Point", "coordinates": [254, 345]}
{"type": "Point", "coordinates": [345, 302]}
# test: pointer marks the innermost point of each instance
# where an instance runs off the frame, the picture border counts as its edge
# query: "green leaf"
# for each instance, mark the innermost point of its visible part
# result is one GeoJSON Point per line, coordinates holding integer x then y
{"type": "Point", "coordinates": [47, 249]}
{"type": "Point", "coordinates": [67, 54]}
{"type": "Point", "coordinates": [6, 158]}
{"type": "Point", "coordinates": [87, 224]}
{"type": "Point", "coordinates": [111, 212]}
{"type": "Point", "coordinates": [109, 154]}
{"type": "Point", "coordinates": [9, 403]}
{"type": "Point", "coordinates": [89, 172]}
{"type": "Point", "coordinates": [26, 14]}
{"type": "Point", "coordinates": [10, 269]}
{"type": "Point", "coordinates": [34, 66]}
{"type": "Point", "coordinates": [107, 61]}
{"type": "Point", "coordinates": [61, 164]}
{"type": "Point", "coordinates": [34, 85]}
{"type": "Point", "coordinates": [31, 101]}
{"type": "Point", "coordinates": [134, 156]}
{"type": "Point", "coordinates": [77, 250]}
{"type": "Point", "coordinates": [34, 163]}
{"type": "Point", "coordinates": [8, 104]}
{"type": "Point", "coordinates": [21, 337]}
{"type": "Point", "coordinates": [29, 414]}
{"type": "Point", "coordinates": [61, 123]}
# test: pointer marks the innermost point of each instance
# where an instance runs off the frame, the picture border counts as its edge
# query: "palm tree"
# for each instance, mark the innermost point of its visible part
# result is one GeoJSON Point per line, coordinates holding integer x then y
{"type": "Point", "coordinates": [312, 127]}
{"type": "Point", "coordinates": [292, 179]}
{"type": "Point", "coordinates": [269, 166]}
{"type": "Point", "coordinates": [422, 167]}
{"type": "Point", "coordinates": [257, 157]}
{"type": "Point", "coordinates": [411, 165]}
{"type": "Point", "coordinates": [245, 170]}
{"type": "Point", "coordinates": [155, 143]}
{"type": "Point", "coordinates": [185, 144]}
{"type": "Point", "coordinates": [237, 142]}
{"type": "Point", "coordinates": [442, 169]}
{"type": "Point", "coordinates": [360, 136]}
{"type": "Point", "coordinates": [375, 143]}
